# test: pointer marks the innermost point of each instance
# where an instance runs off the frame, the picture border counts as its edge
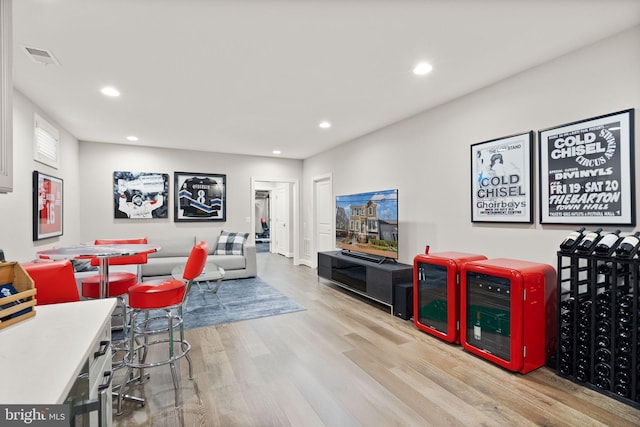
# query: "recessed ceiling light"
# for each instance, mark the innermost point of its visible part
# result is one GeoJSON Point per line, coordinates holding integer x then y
{"type": "Point", "coordinates": [276, 152]}
{"type": "Point", "coordinates": [422, 68]}
{"type": "Point", "coordinates": [132, 138]}
{"type": "Point", "coordinates": [324, 125]}
{"type": "Point", "coordinates": [110, 91]}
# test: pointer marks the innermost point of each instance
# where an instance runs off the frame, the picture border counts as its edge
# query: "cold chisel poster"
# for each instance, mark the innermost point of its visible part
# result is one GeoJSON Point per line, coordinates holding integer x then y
{"type": "Point", "coordinates": [501, 185]}
{"type": "Point", "coordinates": [586, 171]}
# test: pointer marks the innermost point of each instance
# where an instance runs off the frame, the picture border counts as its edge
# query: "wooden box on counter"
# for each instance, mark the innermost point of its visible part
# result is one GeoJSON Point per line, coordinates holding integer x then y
{"type": "Point", "coordinates": [13, 273]}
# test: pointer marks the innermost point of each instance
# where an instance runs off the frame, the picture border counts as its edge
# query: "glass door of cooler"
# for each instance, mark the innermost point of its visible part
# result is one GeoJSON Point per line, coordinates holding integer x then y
{"type": "Point", "coordinates": [432, 296]}
{"type": "Point", "coordinates": [488, 314]}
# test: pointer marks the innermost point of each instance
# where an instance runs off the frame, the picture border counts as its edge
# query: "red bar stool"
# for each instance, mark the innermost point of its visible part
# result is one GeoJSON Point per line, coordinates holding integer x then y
{"type": "Point", "coordinates": [161, 301]}
{"type": "Point", "coordinates": [119, 282]}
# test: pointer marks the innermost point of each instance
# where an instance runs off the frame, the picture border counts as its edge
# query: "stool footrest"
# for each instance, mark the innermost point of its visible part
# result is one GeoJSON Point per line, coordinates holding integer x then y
{"type": "Point", "coordinates": [184, 345]}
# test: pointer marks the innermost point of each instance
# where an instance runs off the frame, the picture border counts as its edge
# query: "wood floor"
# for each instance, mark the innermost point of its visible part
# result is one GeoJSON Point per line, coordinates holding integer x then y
{"type": "Point", "coordinates": [346, 362]}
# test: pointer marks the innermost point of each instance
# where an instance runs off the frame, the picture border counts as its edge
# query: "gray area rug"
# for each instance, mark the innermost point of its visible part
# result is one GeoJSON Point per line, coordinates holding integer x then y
{"type": "Point", "coordinates": [237, 299]}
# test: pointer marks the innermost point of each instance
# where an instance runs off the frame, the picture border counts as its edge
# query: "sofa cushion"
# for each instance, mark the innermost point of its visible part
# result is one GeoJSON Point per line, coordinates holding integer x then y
{"type": "Point", "coordinates": [231, 243]}
{"type": "Point", "coordinates": [174, 246]}
{"type": "Point", "coordinates": [162, 266]}
{"type": "Point", "coordinates": [229, 262]}
{"type": "Point", "coordinates": [210, 238]}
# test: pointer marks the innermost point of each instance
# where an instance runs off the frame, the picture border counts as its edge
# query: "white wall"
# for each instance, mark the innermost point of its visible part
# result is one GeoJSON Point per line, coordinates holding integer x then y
{"type": "Point", "coordinates": [99, 161]}
{"type": "Point", "coordinates": [427, 157]}
{"type": "Point", "coordinates": [16, 207]}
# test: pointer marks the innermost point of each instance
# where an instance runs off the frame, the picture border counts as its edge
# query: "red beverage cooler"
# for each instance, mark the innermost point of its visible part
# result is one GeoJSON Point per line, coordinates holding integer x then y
{"type": "Point", "coordinates": [508, 312]}
{"type": "Point", "coordinates": [436, 290]}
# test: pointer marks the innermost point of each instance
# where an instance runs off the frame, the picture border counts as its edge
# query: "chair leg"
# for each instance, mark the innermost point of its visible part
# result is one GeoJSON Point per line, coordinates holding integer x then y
{"type": "Point", "coordinates": [183, 345]}
{"type": "Point", "coordinates": [129, 354]}
{"type": "Point", "coordinates": [142, 356]}
{"type": "Point", "coordinates": [173, 327]}
{"type": "Point", "coordinates": [172, 364]}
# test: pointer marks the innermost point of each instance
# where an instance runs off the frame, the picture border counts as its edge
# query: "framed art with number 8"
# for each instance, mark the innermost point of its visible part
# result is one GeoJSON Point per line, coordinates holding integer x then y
{"type": "Point", "coordinates": [47, 206]}
{"type": "Point", "coordinates": [199, 197]}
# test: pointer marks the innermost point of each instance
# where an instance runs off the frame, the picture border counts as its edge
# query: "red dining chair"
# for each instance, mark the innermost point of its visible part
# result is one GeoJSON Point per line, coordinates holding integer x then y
{"type": "Point", "coordinates": [161, 303]}
{"type": "Point", "coordinates": [54, 281]}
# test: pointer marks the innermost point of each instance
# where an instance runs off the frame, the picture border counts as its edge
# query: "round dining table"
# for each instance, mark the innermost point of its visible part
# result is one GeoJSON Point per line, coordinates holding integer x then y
{"type": "Point", "coordinates": [102, 253]}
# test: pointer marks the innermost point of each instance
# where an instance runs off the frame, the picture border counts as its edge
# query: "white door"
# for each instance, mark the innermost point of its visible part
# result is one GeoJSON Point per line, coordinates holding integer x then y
{"type": "Point", "coordinates": [281, 220]}
{"type": "Point", "coordinates": [325, 239]}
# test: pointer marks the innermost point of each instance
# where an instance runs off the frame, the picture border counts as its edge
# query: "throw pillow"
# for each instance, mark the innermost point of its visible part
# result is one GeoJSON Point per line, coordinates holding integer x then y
{"type": "Point", "coordinates": [231, 243]}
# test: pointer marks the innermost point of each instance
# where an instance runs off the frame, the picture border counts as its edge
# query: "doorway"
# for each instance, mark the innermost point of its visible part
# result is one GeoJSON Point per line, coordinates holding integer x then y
{"type": "Point", "coordinates": [283, 216]}
{"type": "Point", "coordinates": [262, 218]}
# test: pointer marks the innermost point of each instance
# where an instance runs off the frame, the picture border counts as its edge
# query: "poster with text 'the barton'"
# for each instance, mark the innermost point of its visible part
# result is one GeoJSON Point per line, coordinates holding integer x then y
{"type": "Point", "coordinates": [586, 171]}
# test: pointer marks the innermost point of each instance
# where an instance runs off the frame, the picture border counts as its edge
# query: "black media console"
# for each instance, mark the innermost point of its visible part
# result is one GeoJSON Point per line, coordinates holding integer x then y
{"type": "Point", "coordinates": [371, 279]}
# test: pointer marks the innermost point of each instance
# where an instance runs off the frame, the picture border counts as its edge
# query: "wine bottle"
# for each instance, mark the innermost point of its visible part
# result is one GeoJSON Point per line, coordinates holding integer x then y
{"type": "Point", "coordinates": [582, 376]}
{"type": "Point", "coordinates": [568, 304]}
{"type": "Point", "coordinates": [603, 355]}
{"type": "Point", "coordinates": [588, 241]}
{"type": "Point", "coordinates": [566, 331]}
{"type": "Point", "coordinates": [477, 328]}
{"type": "Point", "coordinates": [604, 267]}
{"type": "Point", "coordinates": [623, 377]}
{"type": "Point", "coordinates": [565, 358]}
{"type": "Point", "coordinates": [566, 346]}
{"type": "Point", "coordinates": [602, 383]}
{"type": "Point", "coordinates": [584, 337]}
{"type": "Point", "coordinates": [626, 247]}
{"type": "Point", "coordinates": [583, 350]}
{"type": "Point", "coordinates": [624, 332]}
{"type": "Point", "coordinates": [625, 301]}
{"type": "Point", "coordinates": [608, 241]}
{"type": "Point", "coordinates": [567, 317]}
{"type": "Point", "coordinates": [585, 308]}
{"type": "Point", "coordinates": [582, 371]}
{"type": "Point", "coordinates": [603, 327]}
{"type": "Point", "coordinates": [571, 240]}
{"type": "Point", "coordinates": [623, 362]}
{"type": "Point", "coordinates": [584, 322]}
{"type": "Point", "coordinates": [622, 390]}
{"type": "Point", "coordinates": [603, 312]}
{"type": "Point", "coordinates": [604, 297]}
{"type": "Point", "coordinates": [603, 369]}
{"type": "Point", "coordinates": [603, 341]}
{"type": "Point", "coordinates": [583, 364]}
{"type": "Point", "coordinates": [624, 347]}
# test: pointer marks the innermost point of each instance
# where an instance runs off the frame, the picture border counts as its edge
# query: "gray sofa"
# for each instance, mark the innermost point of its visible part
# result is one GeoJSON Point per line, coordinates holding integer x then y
{"type": "Point", "coordinates": [175, 251]}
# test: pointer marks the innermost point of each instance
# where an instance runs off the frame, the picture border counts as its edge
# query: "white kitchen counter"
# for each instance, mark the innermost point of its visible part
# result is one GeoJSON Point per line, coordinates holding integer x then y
{"type": "Point", "coordinates": [42, 356]}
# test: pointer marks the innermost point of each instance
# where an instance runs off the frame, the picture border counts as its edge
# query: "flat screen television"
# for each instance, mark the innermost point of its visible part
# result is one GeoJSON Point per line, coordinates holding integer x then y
{"type": "Point", "coordinates": [367, 224]}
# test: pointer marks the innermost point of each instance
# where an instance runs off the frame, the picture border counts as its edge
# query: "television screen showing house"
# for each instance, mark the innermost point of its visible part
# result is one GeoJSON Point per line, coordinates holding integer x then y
{"type": "Point", "coordinates": [368, 223]}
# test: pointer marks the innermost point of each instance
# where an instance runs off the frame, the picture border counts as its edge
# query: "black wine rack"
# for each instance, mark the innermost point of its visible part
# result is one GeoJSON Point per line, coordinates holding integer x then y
{"type": "Point", "coordinates": [598, 343]}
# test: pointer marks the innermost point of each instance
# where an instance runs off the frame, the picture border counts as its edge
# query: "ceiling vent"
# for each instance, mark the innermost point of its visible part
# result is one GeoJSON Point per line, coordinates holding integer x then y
{"type": "Point", "coordinates": [41, 56]}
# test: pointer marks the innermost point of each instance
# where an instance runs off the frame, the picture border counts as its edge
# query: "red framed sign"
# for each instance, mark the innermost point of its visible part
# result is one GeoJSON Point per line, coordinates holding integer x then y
{"type": "Point", "coordinates": [47, 206]}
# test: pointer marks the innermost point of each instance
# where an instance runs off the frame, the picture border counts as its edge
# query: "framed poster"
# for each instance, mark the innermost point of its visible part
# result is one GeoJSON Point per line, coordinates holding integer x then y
{"type": "Point", "coordinates": [140, 195]}
{"type": "Point", "coordinates": [200, 197]}
{"type": "Point", "coordinates": [587, 171]}
{"type": "Point", "coordinates": [47, 206]}
{"type": "Point", "coordinates": [501, 185]}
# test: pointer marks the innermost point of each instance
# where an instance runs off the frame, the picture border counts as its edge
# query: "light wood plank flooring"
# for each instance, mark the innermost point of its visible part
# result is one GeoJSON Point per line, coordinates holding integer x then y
{"type": "Point", "coordinates": [347, 362]}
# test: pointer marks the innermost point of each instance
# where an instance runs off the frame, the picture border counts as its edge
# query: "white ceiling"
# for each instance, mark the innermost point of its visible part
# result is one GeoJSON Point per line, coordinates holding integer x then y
{"type": "Point", "coordinates": [251, 76]}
